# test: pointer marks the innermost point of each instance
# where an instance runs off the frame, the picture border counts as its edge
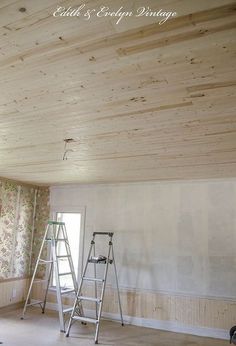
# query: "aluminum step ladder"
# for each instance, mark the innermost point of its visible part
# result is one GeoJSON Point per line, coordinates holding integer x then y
{"type": "Point", "coordinates": [55, 236]}
{"type": "Point", "coordinates": [96, 260]}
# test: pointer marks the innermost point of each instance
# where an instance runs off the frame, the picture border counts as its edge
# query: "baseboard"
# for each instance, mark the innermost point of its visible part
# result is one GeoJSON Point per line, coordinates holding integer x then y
{"type": "Point", "coordinates": [169, 326]}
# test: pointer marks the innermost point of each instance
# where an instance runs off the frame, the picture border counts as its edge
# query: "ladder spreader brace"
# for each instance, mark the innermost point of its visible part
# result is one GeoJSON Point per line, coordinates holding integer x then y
{"type": "Point", "coordinates": [110, 259]}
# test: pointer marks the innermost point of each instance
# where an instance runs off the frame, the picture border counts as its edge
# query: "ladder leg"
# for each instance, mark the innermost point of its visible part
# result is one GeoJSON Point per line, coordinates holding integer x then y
{"type": "Point", "coordinates": [71, 265]}
{"type": "Point", "coordinates": [117, 287]}
{"type": "Point", "coordinates": [47, 287]}
{"type": "Point", "coordinates": [34, 273]}
{"type": "Point", "coordinates": [75, 284]}
{"type": "Point", "coordinates": [95, 284]}
{"type": "Point", "coordinates": [58, 288]}
{"type": "Point", "coordinates": [29, 292]}
{"type": "Point", "coordinates": [79, 290]}
{"type": "Point", "coordinates": [102, 293]}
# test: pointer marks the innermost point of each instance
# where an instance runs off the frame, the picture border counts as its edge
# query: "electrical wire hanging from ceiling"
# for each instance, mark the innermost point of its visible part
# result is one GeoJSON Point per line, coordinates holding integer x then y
{"type": "Point", "coordinates": [66, 151]}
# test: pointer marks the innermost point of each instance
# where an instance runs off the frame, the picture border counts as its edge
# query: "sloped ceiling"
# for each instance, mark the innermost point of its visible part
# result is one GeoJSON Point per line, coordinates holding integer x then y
{"type": "Point", "coordinates": [141, 101]}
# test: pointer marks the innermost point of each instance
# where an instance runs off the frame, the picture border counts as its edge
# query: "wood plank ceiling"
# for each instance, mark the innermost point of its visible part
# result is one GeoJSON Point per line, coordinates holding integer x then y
{"type": "Point", "coordinates": [142, 101]}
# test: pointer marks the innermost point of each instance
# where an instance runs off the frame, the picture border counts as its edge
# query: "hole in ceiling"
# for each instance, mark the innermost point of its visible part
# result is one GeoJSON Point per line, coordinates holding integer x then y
{"type": "Point", "coordinates": [69, 140]}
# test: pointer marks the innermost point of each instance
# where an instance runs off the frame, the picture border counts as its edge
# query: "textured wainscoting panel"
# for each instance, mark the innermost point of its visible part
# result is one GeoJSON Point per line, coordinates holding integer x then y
{"type": "Point", "coordinates": [179, 312]}
{"type": "Point", "coordinates": [13, 291]}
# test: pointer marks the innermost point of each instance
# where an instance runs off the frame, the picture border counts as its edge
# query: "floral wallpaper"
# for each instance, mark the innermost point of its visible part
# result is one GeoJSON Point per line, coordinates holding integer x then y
{"type": "Point", "coordinates": [16, 226]}
{"type": "Point", "coordinates": [41, 219]}
{"type": "Point", "coordinates": [8, 197]}
{"type": "Point", "coordinates": [23, 232]}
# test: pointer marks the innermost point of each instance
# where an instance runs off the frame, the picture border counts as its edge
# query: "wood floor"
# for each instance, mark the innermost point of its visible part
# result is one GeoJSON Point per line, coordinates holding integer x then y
{"type": "Point", "coordinates": [40, 330]}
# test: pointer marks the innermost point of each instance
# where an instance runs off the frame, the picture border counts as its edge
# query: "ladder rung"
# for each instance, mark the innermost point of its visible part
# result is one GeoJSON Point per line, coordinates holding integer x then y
{"type": "Point", "coordinates": [35, 303]}
{"type": "Point", "coordinates": [65, 311]}
{"type": "Point", "coordinates": [61, 239]}
{"type": "Point", "coordinates": [85, 319]}
{"type": "Point", "coordinates": [36, 281]}
{"type": "Point", "coordinates": [99, 262]}
{"type": "Point", "coordinates": [92, 279]}
{"type": "Point", "coordinates": [67, 291]}
{"type": "Point", "coordinates": [44, 261]}
{"type": "Point", "coordinates": [56, 223]}
{"type": "Point", "coordinates": [91, 299]}
{"type": "Point", "coordinates": [63, 256]}
{"type": "Point", "coordinates": [68, 273]}
{"type": "Point", "coordinates": [103, 233]}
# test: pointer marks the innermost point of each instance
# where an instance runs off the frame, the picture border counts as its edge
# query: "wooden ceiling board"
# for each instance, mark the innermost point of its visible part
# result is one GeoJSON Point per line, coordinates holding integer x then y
{"type": "Point", "coordinates": [141, 101]}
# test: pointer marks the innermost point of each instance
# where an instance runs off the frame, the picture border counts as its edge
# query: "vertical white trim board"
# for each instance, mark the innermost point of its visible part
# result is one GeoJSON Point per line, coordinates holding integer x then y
{"type": "Point", "coordinates": [15, 230]}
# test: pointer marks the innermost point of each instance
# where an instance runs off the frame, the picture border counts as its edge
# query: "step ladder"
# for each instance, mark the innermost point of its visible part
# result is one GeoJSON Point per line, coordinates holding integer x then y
{"type": "Point", "coordinates": [95, 260]}
{"type": "Point", "coordinates": [55, 236]}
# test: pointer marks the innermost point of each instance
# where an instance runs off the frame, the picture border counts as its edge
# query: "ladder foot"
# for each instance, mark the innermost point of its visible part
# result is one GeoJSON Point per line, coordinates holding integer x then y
{"type": "Point", "coordinates": [96, 342]}
{"type": "Point", "coordinates": [122, 324]}
{"type": "Point", "coordinates": [67, 335]}
{"type": "Point", "coordinates": [22, 318]}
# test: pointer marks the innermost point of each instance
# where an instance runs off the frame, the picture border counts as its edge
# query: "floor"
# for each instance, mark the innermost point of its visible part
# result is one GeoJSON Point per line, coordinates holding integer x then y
{"type": "Point", "coordinates": [38, 329]}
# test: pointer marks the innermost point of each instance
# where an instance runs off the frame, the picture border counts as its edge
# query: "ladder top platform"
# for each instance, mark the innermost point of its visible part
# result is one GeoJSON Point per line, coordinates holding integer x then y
{"type": "Point", "coordinates": [103, 233]}
{"type": "Point", "coordinates": [56, 223]}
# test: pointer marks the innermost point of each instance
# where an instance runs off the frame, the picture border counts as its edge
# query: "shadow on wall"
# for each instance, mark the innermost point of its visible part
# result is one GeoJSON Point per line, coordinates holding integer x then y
{"type": "Point", "coordinates": [136, 269]}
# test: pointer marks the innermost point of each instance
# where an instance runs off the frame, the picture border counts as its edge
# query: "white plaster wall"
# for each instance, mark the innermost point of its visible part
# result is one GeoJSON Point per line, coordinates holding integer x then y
{"type": "Point", "coordinates": [175, 237]}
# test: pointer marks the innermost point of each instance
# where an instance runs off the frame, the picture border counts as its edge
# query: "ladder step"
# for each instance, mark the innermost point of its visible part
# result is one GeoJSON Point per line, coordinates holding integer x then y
{"type": "Point", "coordinates": [92, 279]}
{"type": "Point", "coordinates": [60, 239]}
{"type": "Point", "coordinates": [91, 299]}
{"type": "Point", "coordinates": [36, 281]}
{"type": "Point", "coordinates": [35, 303]}
{"type": "Point", "coordinates": [67, 291]}
{"type": "Point", "coordinates": [101, 259]}
{"type": "Point", "coordinates": [85, 319]}
{"type": "Point", "coordinates": [68, 273]}
{"type": "Point", "coordinates": [63, 256]}
{"type": "Point", "coordinates": [41, 261]}
{"type": "Point", "coordinates": [65, 311]}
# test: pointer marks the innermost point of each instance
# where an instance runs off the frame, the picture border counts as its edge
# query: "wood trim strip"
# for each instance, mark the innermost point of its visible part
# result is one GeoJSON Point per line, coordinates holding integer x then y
{"type": "Point", "coordinates": [14, 279]}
